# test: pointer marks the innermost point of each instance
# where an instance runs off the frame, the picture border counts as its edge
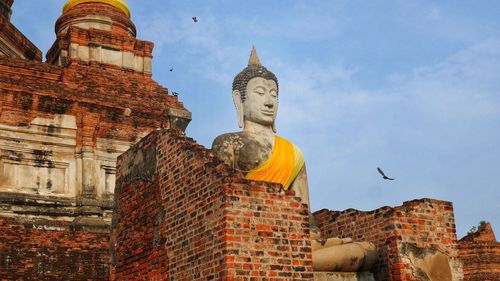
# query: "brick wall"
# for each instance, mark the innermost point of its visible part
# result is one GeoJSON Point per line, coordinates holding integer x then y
{"type": "Point", "coordinates": [111, 106]}
{"type": "Point", "coordinates": [28, 253]}
{"type": "Point", "coordinates": [18, 45]}
{"type": "Point", "coordinates": [374, 226]}
{"type": "Point", "coordinates": [181, 214]}
{"type": "Point", "coordinates": [100, 96]}
{"type": "Point", "coordinates": [424, 224]}
{"type": "Point", "coordinates": [480, 254]}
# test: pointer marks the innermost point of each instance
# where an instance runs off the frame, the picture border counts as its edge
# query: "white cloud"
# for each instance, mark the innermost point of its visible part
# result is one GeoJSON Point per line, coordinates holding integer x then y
{"type": "Point", "coordinates": [198, 46]}
{"type": "Point", "coordinates": [320, 97]}
{"type": "Point", "coordinates": [303, 22]}
{"type": "Point", "coordinates": [463, 86]}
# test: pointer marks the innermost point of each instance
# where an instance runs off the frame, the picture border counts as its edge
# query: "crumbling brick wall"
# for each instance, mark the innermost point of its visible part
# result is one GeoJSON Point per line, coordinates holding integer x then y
{"type": "Point", "coordinates": [371, 226]}
{"type": "Point", "coordinates": [397, 232]}
{"type": "Point", "coordinates": [61, 128]}
{"type": "Point", "coordinates": [97, 97]}
{"type": "Point", "coordinates": [13, 38]}
{"type": "Point", "coordinates": [181, 214]}
{"type": "Point", "coordinates": [28, 253]}
{"type": "Point", "coordinates": [480, 254]}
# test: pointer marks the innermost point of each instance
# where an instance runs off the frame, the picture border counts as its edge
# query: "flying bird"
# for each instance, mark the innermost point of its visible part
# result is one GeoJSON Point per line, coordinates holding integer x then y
{"type": "Point", "coordinates": [171, 69]}
{"type": "Point", "coordinates": [383, 175]}
{"type": "Point", "coordinates": [195, 19]}
{"type": "Point", "coordinates": [175, 94]}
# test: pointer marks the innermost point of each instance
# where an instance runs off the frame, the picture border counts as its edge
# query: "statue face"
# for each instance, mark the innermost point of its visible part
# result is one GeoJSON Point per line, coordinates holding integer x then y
{"type": "Point", "coordinates": [261, 101]}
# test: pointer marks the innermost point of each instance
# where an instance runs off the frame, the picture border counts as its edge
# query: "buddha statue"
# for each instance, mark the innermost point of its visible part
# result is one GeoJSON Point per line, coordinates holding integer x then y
{"type": "Point", "coordinates": [263, 156]}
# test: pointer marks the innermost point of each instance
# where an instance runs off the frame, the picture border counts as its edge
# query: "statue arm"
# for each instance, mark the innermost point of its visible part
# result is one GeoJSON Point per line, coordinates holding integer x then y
{"type": "Point", "coordinates": [299, 185]}
{"type": "Point", "coordinates": [302, 190]}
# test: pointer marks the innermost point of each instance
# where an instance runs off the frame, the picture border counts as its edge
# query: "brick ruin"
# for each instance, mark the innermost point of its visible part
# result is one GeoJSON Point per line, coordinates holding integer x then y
{"type": "Point", "coordinates": [405, 236]}
{"type": "Point", "coordinates": [182, 215]}
{"type": "Point", "coordinates": [30, 252]}
{"type": "Point", "coordinates": [480, 253]}
{"type": "Point", "coordinates": [178, 212]}
{"type": "Point", "coordinates": [63, 123]}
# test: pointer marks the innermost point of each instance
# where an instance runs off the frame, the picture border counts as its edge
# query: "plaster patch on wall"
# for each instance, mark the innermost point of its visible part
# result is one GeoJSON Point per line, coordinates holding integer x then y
{"type": "Point", "coordinates": [429, 263]}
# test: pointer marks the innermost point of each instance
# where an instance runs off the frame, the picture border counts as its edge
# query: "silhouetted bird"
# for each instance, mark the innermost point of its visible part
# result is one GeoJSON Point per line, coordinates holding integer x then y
{"type": "Point", "coordinates": [171, 69]}
{"type": "Point", "coordinates": [383, 175]}
{"type": "Point", "coordinates": [175, 94]}
{"type": "Point", "coordinates": [195, 19]}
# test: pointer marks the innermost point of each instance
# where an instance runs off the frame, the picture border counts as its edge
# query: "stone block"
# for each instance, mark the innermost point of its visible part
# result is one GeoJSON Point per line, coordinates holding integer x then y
{"type": "Point", "coordinates": [112, 56]}
{"type": "Point", "coordinates": [148, 65]}
{"type": "Point", "coordinates": [83, 53]}
{"type": "Point", "coordinates": [128, 60]}
{"type": "Point", "coordinates": [95, 53]}
{"type": "Point", "coordinates": [139, 64]}
{"type": "Point", "coordinates": [343, 276]}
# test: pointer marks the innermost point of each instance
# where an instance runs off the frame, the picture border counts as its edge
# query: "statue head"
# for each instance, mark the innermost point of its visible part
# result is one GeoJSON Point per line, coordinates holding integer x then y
{"type": "Point", "coordinates": [255, 93]}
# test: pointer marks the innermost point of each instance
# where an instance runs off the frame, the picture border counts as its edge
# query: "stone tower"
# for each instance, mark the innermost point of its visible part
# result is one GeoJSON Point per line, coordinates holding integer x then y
{"type": "Point", "coordinates": [63, 122]}
{"type": "Point", "coordinates": [99, 33]}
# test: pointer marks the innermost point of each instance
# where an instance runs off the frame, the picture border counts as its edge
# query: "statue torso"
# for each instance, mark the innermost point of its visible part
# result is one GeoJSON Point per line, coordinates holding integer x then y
{"type": "Point", "coordinates": [243, 151]}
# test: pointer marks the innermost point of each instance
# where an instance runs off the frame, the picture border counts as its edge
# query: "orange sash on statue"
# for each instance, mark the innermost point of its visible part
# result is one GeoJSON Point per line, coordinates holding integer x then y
{"type": "Point", "coordinates": [282, 167]}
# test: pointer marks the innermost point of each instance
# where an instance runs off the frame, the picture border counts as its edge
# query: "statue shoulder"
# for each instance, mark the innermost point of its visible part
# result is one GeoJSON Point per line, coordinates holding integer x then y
{"type": "Point", "coordinates": [225, 145]}
{"type": "Point", "coordinates": [228, 139]}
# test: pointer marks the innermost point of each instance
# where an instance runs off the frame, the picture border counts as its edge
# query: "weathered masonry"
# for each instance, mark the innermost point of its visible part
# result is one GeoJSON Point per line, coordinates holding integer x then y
{"type": "Point", "coordinates": [172, 210]}
{"type": "Point", "coordinates": [63, 122]}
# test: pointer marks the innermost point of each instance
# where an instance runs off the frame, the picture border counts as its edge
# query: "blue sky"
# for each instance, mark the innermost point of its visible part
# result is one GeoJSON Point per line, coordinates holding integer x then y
{"type": "Point", "coordinates": [409, 86]}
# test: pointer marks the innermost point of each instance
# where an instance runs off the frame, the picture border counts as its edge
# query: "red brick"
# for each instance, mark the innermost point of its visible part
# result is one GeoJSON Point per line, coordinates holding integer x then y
{"type": "Point", "coordinates": [408, 223]}
{"type": "Point", "coordinates": [36, 254]}
{"type": "Point", "coordinates": [200, 223]}
{"type": "Point", "coordinates": [480, 254]}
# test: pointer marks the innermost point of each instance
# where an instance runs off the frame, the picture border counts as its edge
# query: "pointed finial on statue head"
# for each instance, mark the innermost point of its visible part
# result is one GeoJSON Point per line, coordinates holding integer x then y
{"type": "Point", "coordinates": [253, 70]}
{"type": "Point", "coordinates": [254, 58]}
